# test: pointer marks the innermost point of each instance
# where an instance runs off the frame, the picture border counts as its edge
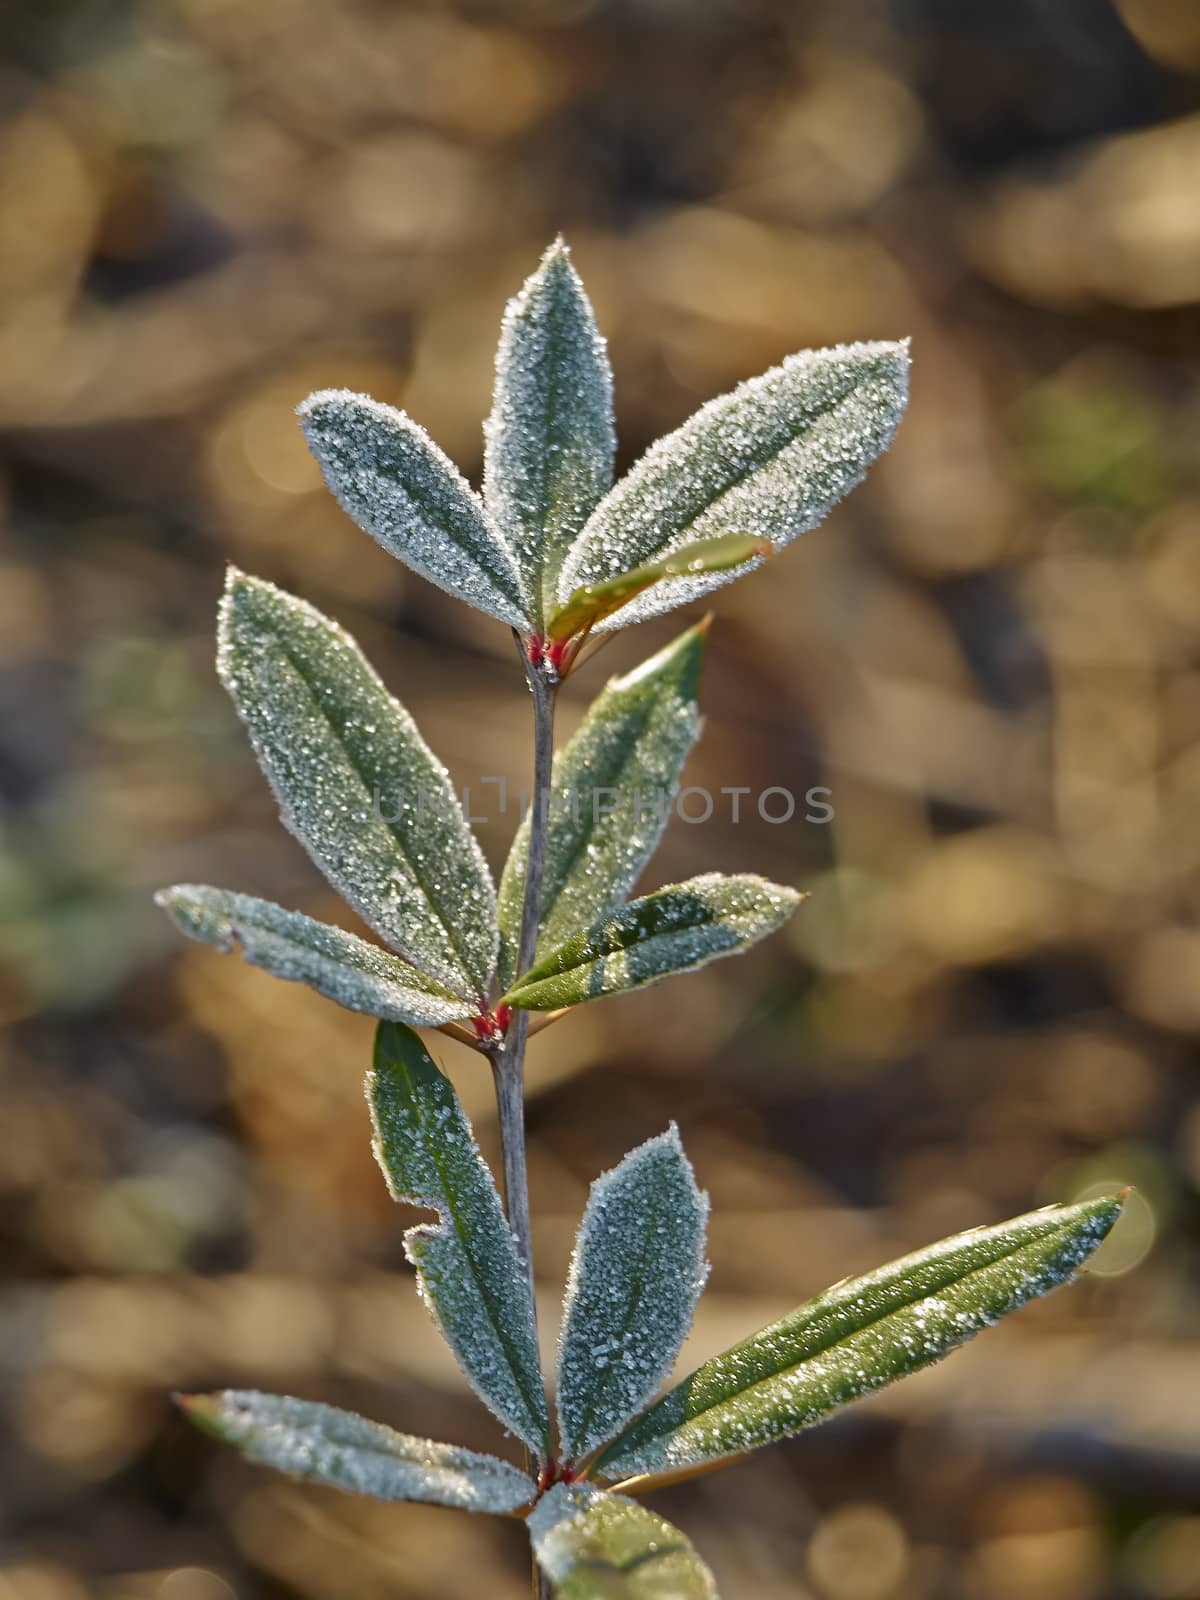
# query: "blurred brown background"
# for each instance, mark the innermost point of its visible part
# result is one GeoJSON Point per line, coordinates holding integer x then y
{"type": "Point", "coordinates": [990, 654]}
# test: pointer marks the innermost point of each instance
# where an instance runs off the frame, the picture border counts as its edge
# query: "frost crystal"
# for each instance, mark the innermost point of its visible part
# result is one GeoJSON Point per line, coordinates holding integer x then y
{"type": "Point", "coordinates": [340, 966]}
{"type": "Point", "coordinates": [613, 788]}
{"type": "Point", "coordinates": [769, 460]}
{"type": "Point", "coordinates": [550, 435]}
{"type": "Point", "coordinates": [858, 1336]}
{"type": "Point", "coordinates": [345, 1451]}
{"type": "Point", "coordinates": [468, 1270]}
{"type": "Point", "coordinates": [676, 929]}
{"type": "Point", "coordinates": [636, 1274]}
{"type": "Point", "coordinates": [389, 476]}
{"type": "Point", "coordinates": [357, 784]}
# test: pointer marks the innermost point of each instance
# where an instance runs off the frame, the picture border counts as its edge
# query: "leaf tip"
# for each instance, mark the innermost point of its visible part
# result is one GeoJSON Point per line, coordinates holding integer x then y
{"type": "Point", "coordinates": [203, 1411]}
{"type": "Point", "coordinates": [339, 422]}
{"type": "Point", "coordinates": [243, 606]}
{"type": "Point", "coordinates": [239, 587]}
{"type": "Point", "coordinates": [1105, 1208]}
{"type": "Point", "coordinates": [678, 663]}
{"type": "Point", "coordinates": [323, 400]}
{"type": "Point", "coordinates": [900, 352]}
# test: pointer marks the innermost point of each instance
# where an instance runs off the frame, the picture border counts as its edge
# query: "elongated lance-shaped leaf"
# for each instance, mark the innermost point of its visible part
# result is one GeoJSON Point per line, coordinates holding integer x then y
{"type": "Point", "coordinates": [858, 1336]}
{"type": "Point", "coordinates": [636, 1274]}
{"type": "Point", "coordinates": [769, 459]}
{"type": "Point", "coordinates": [550, 436]}
{"type": "Point", "coordinates": [597, 1546]}
{"type": "Point", "coordinates": [589, 605]}
{"type": "Point", "coordinates": [675, 929]}
{"type": "Point", "coordinates": [357, 784]}
{"type": "Point", "coordinates": [344, 1451]}
{"type": "Point", "coordinates": [468, 1270]}
{"type": "Point", "coordinates": [388, 475]}
{"type": "Point", "coordinates": [358, 975]}
{"type": "Point", "coordinates": [613, 788]}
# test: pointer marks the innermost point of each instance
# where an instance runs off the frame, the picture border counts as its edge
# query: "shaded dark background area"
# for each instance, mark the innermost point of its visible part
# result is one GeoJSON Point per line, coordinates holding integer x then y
{"type": "Point", "coordinates": [990, 655]}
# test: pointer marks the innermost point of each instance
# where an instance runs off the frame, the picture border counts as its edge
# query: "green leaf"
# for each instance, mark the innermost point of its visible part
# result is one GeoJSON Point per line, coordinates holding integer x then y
{"type": "Point", "coordinates": [589, 605]}
{"type": "Point", "coordinates": [675, 929]}
{"type": "Point", "coordinates": [613, 787]}
{"type": "Point", "coordinates": [858, 1336]}
{"type": "Point", "coordinates": [550, 435]}
{"type": "Point", "coordinates": [597, 1546]}
{"type": "Point", "coordinates": [636, 1274]}
{"type": "Point", "coordinates": [468, 1270]}
{"type": "Point", "coordinates": [358, 975]}
{"type": "Point", "coordinates": [357, 784]}
{"type": "Point", "coordinates": [388, 475]}
{"type": "Point", "coordinates": [345, 1451]}
{"type": "Point", "coordinates": [768, 460]}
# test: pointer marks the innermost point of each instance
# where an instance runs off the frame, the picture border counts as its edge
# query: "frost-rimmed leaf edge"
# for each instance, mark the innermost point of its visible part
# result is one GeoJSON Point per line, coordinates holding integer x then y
{"type": "Point", "coordinates": [300, 1437]}
{"type": "Point", "coordinates": [515, 451]}
{"type": "Point", "coordinates": [339, 965]}
{"type": "Point", "coordinates": [481, 570]}
{"type": "Point", "coordinates": [470, 969]}
{"type": "Point", "coordinates": [507, 1303]}
{"type": "Point", "coordinates": [589, 1350]}
{"type": "Point", "coordinates": [665, 1438]}
{"type": "Point", "coordinates": [606, 545]}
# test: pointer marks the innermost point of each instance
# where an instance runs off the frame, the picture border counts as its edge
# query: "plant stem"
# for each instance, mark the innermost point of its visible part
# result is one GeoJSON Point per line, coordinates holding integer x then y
{"type": "Point", "coordinates": [508, 1060]}
{"type": "Point", "coordinates": [508, 1075]}
{"type": "Point", "coordinates": [508, 1063]}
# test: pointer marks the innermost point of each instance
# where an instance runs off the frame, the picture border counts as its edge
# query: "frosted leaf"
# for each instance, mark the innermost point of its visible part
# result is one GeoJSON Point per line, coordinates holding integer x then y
{"type": "Point", "coordinates": [675, 929]}
{"type": "Point", "coordinates": [769, 459]}
{"type": "Point", "coordinates": [613, 787]}
{"type": "Point", "coordinates": [468, 1270]}
{"type": "Point", "coordinates": [856, 1337]}
{"type": "Point", "coordinates": [636, 1274]}
{"type": "Point", "coordinates": [550, 436]}
{"type": "Point", "coordinates": [594, 1545]}
{"type": "Point", "coordinates": [358, 975]}
{"type": "Point", "coordinates": [357, 784]}
{"type": "Point", "coordinates": [389, 476]}
{"type": "Point", "coordinates": [344, 1451]}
